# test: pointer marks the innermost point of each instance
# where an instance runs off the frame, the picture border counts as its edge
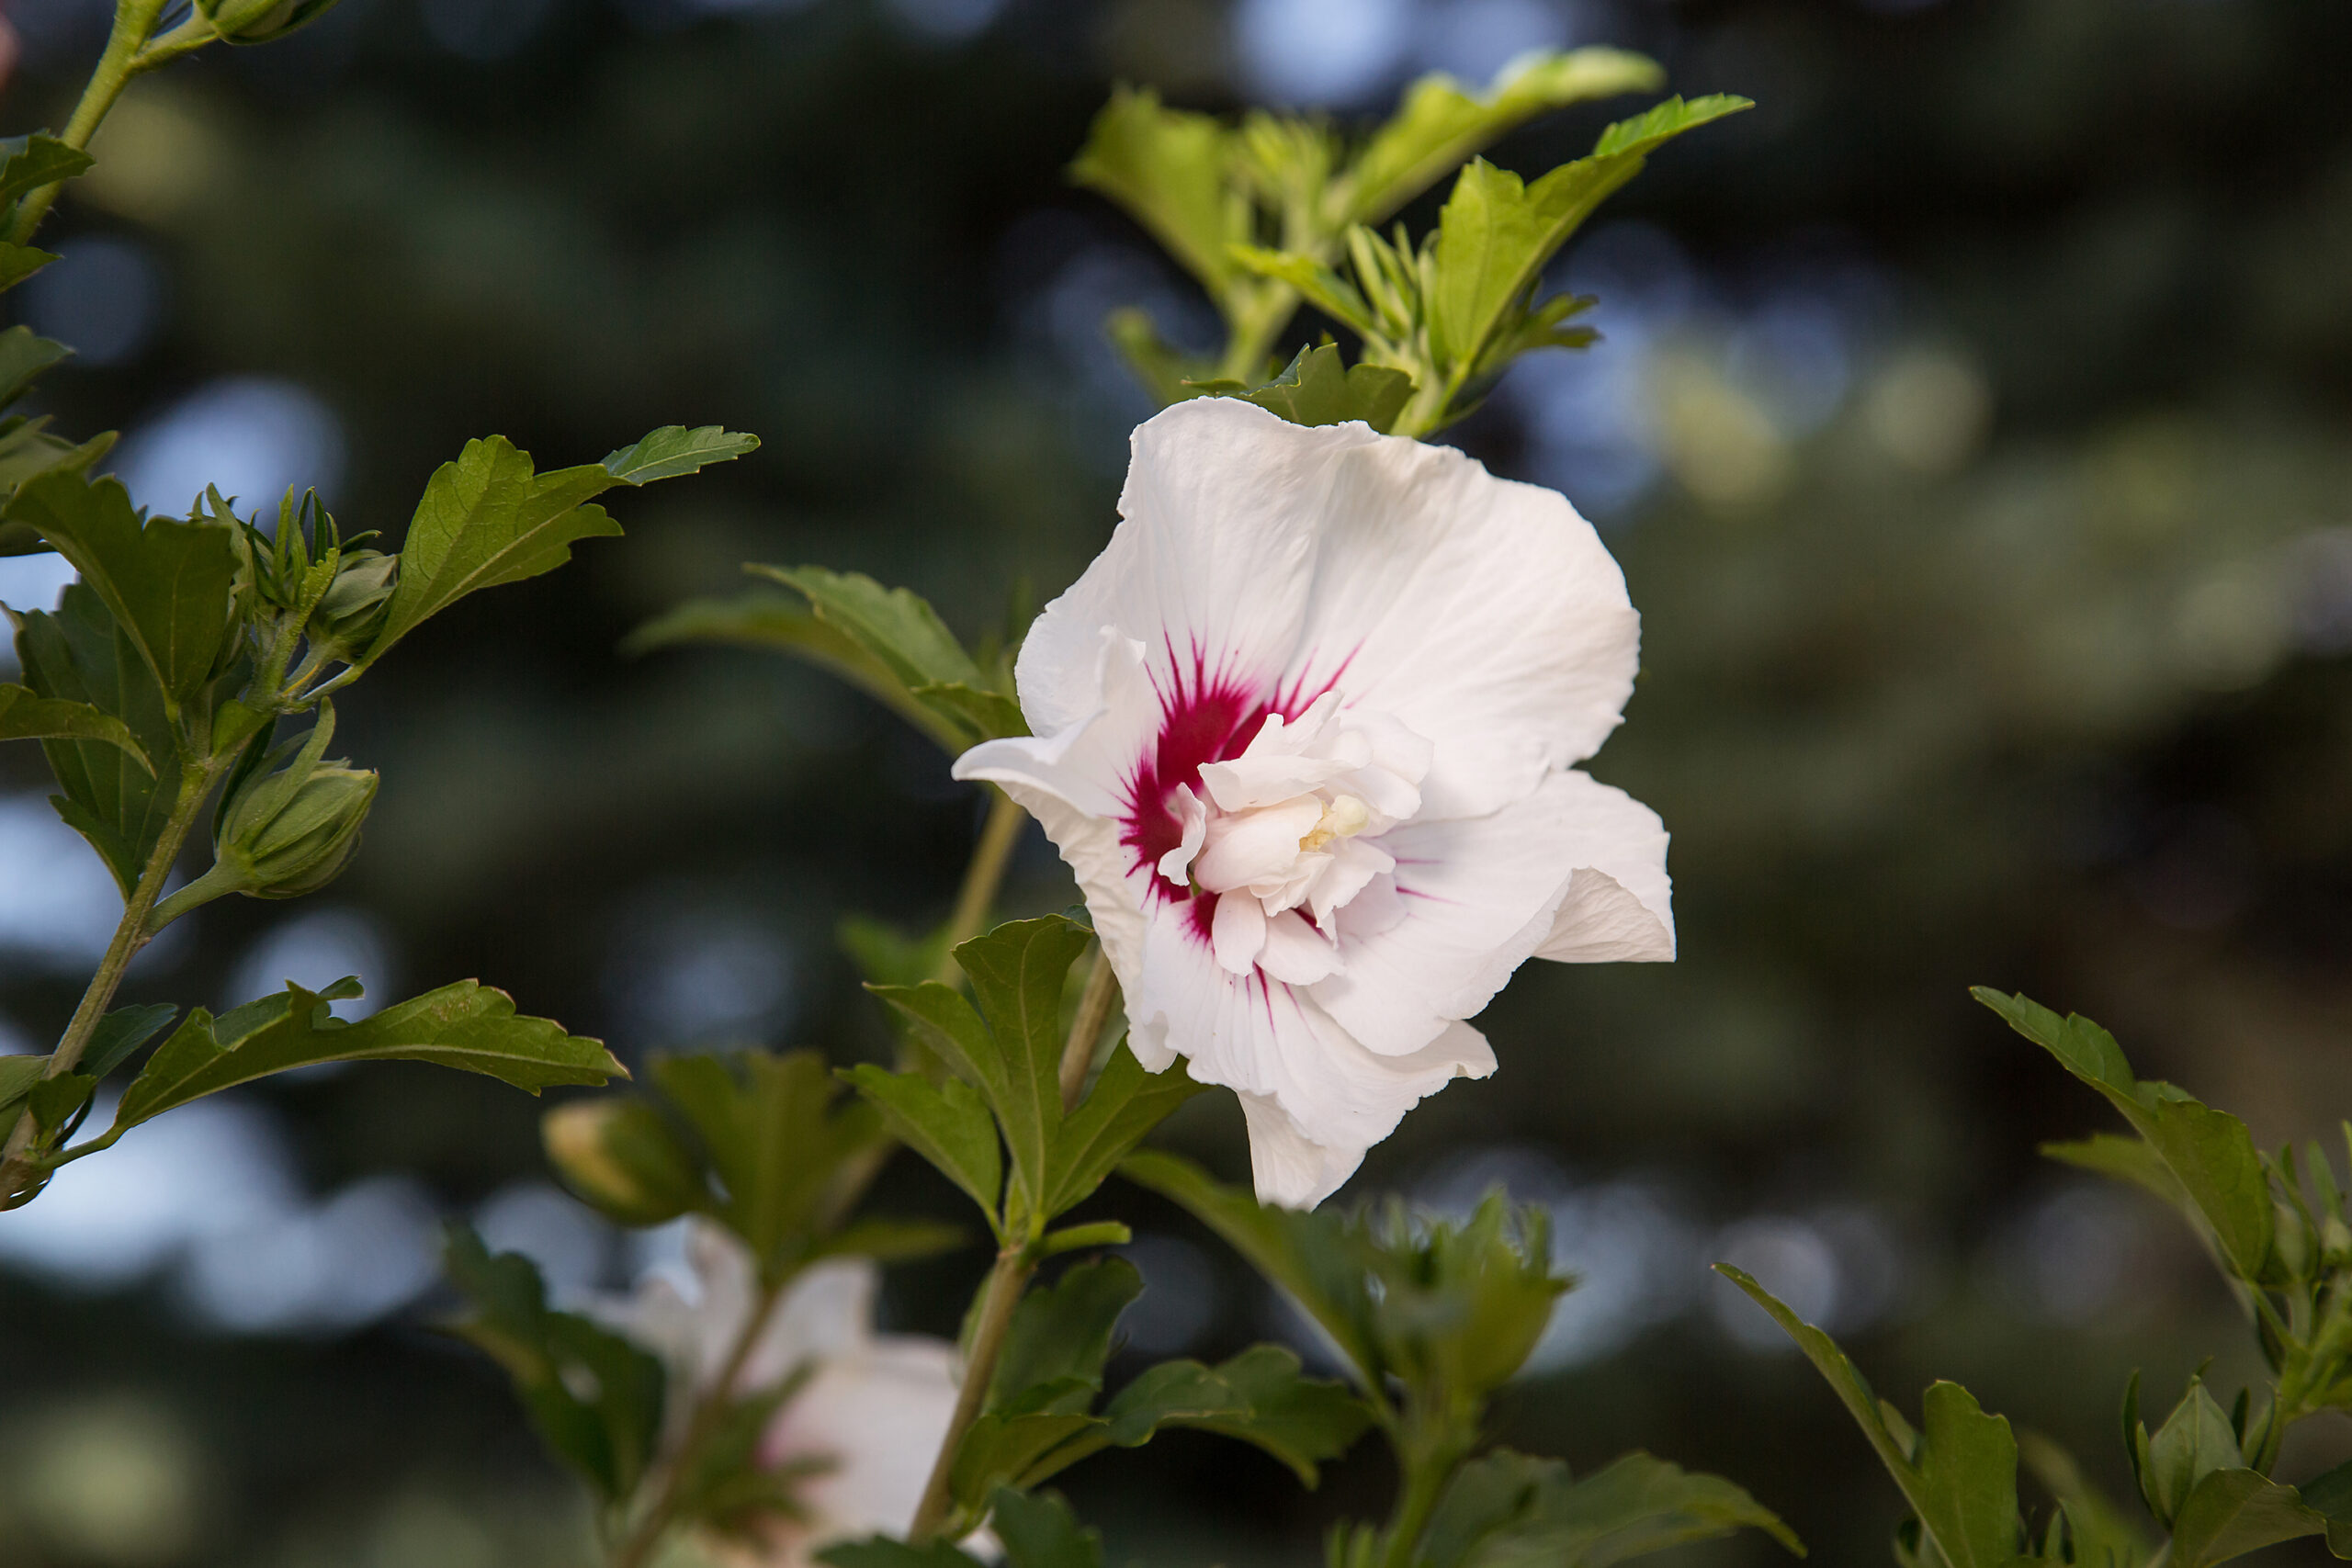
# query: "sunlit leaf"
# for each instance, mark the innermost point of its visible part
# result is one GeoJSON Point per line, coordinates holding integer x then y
{"type": "Point", "coordinates": [1168, 169]}
{"type": "Point", "coordinates": [1318, 387]}
{"type": "Point", "coordinates": [675, 450]}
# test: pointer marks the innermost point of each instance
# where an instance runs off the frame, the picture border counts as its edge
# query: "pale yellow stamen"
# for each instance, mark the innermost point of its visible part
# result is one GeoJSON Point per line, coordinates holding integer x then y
{"type": "Point", "coordinates": [1343, 819]}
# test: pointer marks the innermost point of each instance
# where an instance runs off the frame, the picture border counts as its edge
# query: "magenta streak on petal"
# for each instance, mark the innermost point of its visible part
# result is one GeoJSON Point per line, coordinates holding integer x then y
{"type": "Point", "coordinates": [1206, 716]}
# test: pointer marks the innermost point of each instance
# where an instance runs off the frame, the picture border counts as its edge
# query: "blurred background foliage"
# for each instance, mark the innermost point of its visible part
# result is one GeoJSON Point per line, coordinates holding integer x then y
{"type": "Point", "coordinates": [1969, 420]}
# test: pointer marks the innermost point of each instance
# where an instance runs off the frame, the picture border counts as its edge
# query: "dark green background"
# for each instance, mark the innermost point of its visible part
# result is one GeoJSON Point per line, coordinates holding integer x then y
{"type": "Point", "coordinates": [2062, 708]}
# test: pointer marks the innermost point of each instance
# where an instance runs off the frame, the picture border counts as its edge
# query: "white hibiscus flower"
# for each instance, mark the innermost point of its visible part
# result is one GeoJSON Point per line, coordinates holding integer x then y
{"type": "Point", "coordinates": [1305, 731]}
{"type": "Point", "coordinates": [871, 1414]}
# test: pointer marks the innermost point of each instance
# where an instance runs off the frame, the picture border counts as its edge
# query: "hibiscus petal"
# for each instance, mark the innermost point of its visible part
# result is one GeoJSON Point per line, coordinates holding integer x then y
{"type": "Point", "coordinates": [1263, 1038]}
{"type": "Point", "coordinates": [1620, 908]}
{"type": "Point", "coordinates": [1290, 1167]}
{"type": "Point", "coordinates": [1480, 895]}
{"type": "Point", "coordinates": [1237, 934]}
{"type": "Point", "coordinates": [1295, 953]}
{"type": "Point", "coordinates": [1209, 567]}
{"type": "Point", "coordinates": [1086, 761]}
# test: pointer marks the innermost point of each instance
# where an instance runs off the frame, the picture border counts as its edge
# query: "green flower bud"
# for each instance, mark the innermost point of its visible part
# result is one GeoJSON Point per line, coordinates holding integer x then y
{"type": "Point", "coordinates": [2292, 1242]}
{"type": "Point", "coordinates": [290, 831]}
{"type": "Point", "coordinates": [622, 1157]}
{"type": "Point", "coordinates": [353, 608]}
{"type": "Point", "coordinates": [258, 21]}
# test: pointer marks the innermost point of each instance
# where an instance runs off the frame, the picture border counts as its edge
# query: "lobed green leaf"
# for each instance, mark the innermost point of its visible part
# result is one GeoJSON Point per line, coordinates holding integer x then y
{"type": "Point", "coordinates": [948, 1124]}
{"type": "Point", "coordinates": [1169, 170]}
{"type": "Point", "coordinates": [2232, 1512]}
{"type": "Point", "coordinates": [466, 1025]}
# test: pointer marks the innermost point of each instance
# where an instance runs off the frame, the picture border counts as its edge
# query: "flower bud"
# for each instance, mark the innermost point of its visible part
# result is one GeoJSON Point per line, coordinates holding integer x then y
{"type": "Point", "coordinates": [354, 605]}
{"type": "Point", "coordinates": [2292, 1241]}
{"type": "Point", "coordinates": [290, 831]}
{"type": "Point", "coordinates": [258, 21]}
{"type": "Point", "coordinates": [621, 1155]}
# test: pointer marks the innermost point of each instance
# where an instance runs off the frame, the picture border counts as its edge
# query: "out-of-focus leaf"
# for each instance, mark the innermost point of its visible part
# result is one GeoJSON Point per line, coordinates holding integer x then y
{"type": "Point", "coordinates": [467, 1025]}
{"type": "Point", "coordinates": [895, 626]}
{"type": "Point", "coordinates": [1958, 1471]}
{"type": "Point", "coordinates": [1636, 1505]}
{"type": "Point", "coordinates": [768, 620]}
{"type": "Point", "coordinates": [2208, 1151]}
{"type": "Point", "coordinates": [19, 263]}
{"type": "Point", "coordinates": [881, 1552]}
{"type": "Point", "coordinates": [165, 582]}
{"type": "Point", "coordinates": [1258, 1397]}
{"type": "Point", "coordinates": [985, 714]}
{"type": "Point", "coordinates": [2124, 1159]}
{"type": "Point", "coordinates": [887, 1240]}
{"type": "Point", "coordinates": [80, 654]}
{"type": "Point", "coordinates": [1165, 372]}
{"type": "Point", "coordinates": [24, 355]}
{"type": "Point", "coordinates": [25, 715]}
{"type": "Point", "coordinates": [1312, 1255]}
{"type": "Point", "coordinates": [780, 1138]}
{"type": "Point", "coordinates": [2103, 1535]}
{"type": "Point", "coordinates": [623, 1156]}
{"type": "Point", "coordinates": [1169, 170]}
{"type": "Point", "coordinates": [2232, 1512]}
{"type": "Point", "coordinates": [1004, 1446]}
{"type": "Point", "coordinates": [947, 1123]}
{"type": "Point", "coordinates": [2330, 1496]}
{"type": "Point", "coordinates": [1439, 124]}
{"type": "Point", "coordinates": [887, 957]}
{"type": "Point", "coordinates": [1041, 1532]}
{"type": "Point", "coordinates": [594, 1398]}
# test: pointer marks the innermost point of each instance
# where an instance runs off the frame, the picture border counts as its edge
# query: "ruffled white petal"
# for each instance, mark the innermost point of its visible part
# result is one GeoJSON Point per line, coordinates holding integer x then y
{"type": "Point", "coordinates": [1478, 896]}
{"type": "Point", "coordinates": [1620, 906]}
{"type": "Point", "coordinates": [1297, 1164]}
{"type": "Point", "coordinates": [1084, 762]}
{"type": "Point", "coordinates": [1263, 1038]}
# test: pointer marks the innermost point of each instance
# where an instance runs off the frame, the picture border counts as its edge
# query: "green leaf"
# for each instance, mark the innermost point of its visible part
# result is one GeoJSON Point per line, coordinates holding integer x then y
{"type": "Point", "coordinates": [2124, 1160]}
{"type": "Point", "coordinates": [1166, 373]}
{"type": "Point", "coordinates": [1319, 388]}
{"type": "Point", "coordinates": [1258, 1397]}
{"type": "Point", "coordinates": [18, 1076]}
{"type": "Point", "coordinates": [80, 654]}
{"type": "Point", "coordinates": [595, 1399]}
{"type": "Point", "coordinates": [486, 519]}
{"type": "Point", "coordinates": [1317, 283]}
{"type": "Point", "coordinates": [166, 583]}
{"type": "Point", "coordinates": [887, 1240]}
{"type": "Point", "coordinates": [881, 1552]}
{"type": "Point", "coordinates": [2232, 1512]}
{"type": "Point", "coordinates": [1041, 1532]}
{"type": "Point", "coordinates": [895, 626]}
{"type": "Point", "coordinates": [120, 1034]}
{"type": "Point", "coordinates": [1125, 1104]}
{"type": "Point", "coordinates": [28, 163]}
{"type": "Point", "coordinates": [24, 355]}
{"type": "Point", "coordinates": [1063, 1332]}
{"type": "Point", "coordinates": [1496, 234]}
{"type": "Point", "coordinates": [466, 1025]}
{"type": "Point", "coordinates": [1171, 171]}
{"type": "Point", "coordinates": [769, 621]}
{"type": "Point", "coordinates": [1629, 1508]}
{"type": "Point", "coordinates": [52, 1099]}
{"type": "Point", "coordinates": [937, 1023]}
{"type": "Point", "coordinates": [674, 450]}
{"type": "Point", "coordinates": [1958, 1471]}
{"type": "Point", "coordinates": [983, 714]}
{"type": "Point", "coordinates": [2103, 1535]}
{"type": "Point", "coordinates": [2208, 1151]}
{"type": "Point", "coordinates": [2195, 1440]}
{"type": "Point", "coordinates": [771, 1129]}
{"type": "Point", "coordinates": [25, 715]}
{"type": "Point", "coordinates": [1017, 972]}
{"type": "Point", "coordinates": [1439, 124]}
{"type": "Point", "coordinates": [1002, 1447]}
{"type": "Point", "coordinates": [948, 1124]}
{"type": "Point", "coordinates": [1312, 1255]}
{"type": "Point", "coordinates": [887, 957]}
{"type": "Point", "coordinates": [19, 263]}
{"type": "Point", "coordinates": [2329, 1494]}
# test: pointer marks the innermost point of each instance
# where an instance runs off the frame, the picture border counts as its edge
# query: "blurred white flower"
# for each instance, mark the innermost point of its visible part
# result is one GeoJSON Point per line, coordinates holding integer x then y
{"type": "Point", "coordinates": [872, 1411]}
{"type": "Point", "coordinates": [1305, 731]}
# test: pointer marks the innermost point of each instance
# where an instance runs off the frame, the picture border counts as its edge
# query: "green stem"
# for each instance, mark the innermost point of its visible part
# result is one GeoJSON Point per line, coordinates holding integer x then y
{"type": "Point", "coordinates": [638, 1546]}
{"type": "Point", "coordinates": [1006, 1282]}
{"type": "Point", "coordinates": [1094, 1005]}
{"type": "Point", "coordinates": [135, 930]}
{"type": "Point", "coordinates": [1425, 1478]}
{"type": "Point", "coordinates": [982, 877]}
{"type": "Point", "coordinates": [133, 21]}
